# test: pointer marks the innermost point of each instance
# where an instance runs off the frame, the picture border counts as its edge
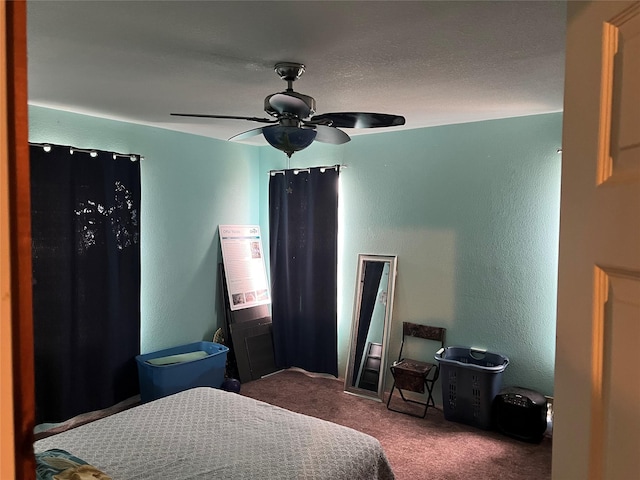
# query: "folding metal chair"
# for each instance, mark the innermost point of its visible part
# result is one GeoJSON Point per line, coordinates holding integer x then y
{"type": "Point", "coordinates": [414, 375]}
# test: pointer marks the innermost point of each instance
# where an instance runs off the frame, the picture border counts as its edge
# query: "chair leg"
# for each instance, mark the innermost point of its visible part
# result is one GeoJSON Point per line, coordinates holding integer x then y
{"type": "Point", "coordinates": [430, 401]}
{"type": "Point", "coordinates": [391, 394]}
{"type": "Point", "coordinates": [408, 400]}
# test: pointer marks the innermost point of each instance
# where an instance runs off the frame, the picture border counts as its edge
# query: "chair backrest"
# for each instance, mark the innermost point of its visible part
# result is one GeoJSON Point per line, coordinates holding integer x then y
{"type": "Point", "coordinates": [427, 332]}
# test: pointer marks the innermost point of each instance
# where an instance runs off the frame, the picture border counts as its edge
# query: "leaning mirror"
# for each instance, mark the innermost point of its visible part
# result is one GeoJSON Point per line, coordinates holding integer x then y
{"type": "Point", "coordinates": [373, 305]}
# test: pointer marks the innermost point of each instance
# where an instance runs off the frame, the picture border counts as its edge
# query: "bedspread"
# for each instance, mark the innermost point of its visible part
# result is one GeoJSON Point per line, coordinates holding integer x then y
{"type": "Point", "coordinates": [205, 433]}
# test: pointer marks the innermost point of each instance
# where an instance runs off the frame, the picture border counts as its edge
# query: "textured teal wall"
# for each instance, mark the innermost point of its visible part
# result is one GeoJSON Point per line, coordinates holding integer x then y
{"type": "Point", "coordinates": [472, 212]}
{"type": "Point", "coordinates": [190, 185]}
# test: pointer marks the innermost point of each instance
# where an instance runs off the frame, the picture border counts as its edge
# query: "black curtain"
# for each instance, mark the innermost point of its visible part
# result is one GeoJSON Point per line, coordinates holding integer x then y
{"type": "Point", "coordinates": [371, 284]}
{"type": "Point", "coordinates": [86, 280]}
{"type": "Point", "coordinates": [303, 238]}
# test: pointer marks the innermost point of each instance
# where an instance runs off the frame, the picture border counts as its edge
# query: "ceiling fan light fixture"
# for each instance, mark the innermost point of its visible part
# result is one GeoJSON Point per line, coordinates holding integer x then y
{"type": "Point", "coordinates": [289, 139]}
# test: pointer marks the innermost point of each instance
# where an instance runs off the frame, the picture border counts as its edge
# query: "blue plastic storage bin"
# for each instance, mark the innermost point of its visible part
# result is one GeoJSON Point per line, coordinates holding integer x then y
{"type": "Point", "coordinates": [161, 380]}
{"type": "Point", "coordinates": [471, 379]}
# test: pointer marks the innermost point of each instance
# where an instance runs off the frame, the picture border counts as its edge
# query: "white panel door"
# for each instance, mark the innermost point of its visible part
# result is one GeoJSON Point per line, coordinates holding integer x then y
{"type": "Point", "coordinates": [597, 381]}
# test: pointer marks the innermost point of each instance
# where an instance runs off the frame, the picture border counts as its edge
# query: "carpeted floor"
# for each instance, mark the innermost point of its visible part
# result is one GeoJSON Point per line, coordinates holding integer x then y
{"type": "Point", "coordinates": [418, 449]}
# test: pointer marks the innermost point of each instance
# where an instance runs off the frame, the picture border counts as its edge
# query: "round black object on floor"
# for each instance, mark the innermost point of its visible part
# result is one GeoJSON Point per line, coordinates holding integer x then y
{"type": "Point", "coordinates": [231, 385]}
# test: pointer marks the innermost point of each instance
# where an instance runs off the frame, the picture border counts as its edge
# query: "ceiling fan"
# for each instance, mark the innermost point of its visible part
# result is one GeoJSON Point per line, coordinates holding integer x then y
{"type": "Point", "coordinates": [294, 125]}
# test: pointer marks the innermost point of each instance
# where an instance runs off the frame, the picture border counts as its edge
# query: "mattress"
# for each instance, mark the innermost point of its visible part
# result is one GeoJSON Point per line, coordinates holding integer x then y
{"type": "Point", "coordinates": [205, 433]}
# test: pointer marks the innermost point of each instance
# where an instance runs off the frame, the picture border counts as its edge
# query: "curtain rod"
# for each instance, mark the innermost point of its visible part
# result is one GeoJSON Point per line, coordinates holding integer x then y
{"type": "Point", "coordinates": [296, 171]}
{"type": "Point", "coordinates": [94, 153]}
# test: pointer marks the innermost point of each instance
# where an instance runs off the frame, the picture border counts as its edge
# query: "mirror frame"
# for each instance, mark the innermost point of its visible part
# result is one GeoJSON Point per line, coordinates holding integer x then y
{"type": "Point", "coordinates": [348, 387]}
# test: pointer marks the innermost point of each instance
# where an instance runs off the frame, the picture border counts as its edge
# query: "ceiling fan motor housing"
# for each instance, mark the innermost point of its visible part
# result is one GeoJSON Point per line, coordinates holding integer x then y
{"type": "Point", "coordinates": [290, 103]}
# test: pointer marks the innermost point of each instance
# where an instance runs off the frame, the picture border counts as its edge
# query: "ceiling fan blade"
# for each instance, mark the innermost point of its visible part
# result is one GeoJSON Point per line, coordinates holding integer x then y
{"type": "Point", "coordinates": [248, 134]}
{"type": "Point", "coordinates": [330, 135]}
{"type": "Point", "coordinates": [358, 120]}
{"type": "Point", "coordinates": [228, 117]}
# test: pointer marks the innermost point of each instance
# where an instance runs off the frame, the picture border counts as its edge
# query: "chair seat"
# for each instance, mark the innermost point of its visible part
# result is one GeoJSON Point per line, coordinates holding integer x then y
{"type": "Point", "coordinates": [413, 367]}
{"type": "Point", "coordinates": [410, 374]}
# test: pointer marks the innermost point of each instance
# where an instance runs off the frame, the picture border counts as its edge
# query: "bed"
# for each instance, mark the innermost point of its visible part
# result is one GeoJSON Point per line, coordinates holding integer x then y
{"type": "Point", "coordinates": [205, 433]}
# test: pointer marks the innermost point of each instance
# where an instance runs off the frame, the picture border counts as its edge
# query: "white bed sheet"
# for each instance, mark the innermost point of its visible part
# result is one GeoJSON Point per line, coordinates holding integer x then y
{"type": "Point", "coordinates": [205, 433]}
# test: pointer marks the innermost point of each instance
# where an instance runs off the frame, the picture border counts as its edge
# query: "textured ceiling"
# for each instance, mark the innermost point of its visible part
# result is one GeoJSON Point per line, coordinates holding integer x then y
{"type": "Point", "coordinates": [435, 63]}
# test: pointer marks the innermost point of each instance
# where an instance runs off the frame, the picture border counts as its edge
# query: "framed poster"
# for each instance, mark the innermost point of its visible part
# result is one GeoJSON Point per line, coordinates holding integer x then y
{"type": "Point", "coordinates": [244, 266]}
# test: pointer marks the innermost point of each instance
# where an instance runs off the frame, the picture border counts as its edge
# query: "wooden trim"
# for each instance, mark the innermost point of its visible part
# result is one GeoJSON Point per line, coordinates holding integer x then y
{"type": "Point", "coordinates": [20, 238]}
{"type": "Point", "coordinates": [626, 15]}
{"type": "Point", "coordinates": [600, 298]}
{"type": "Point", "coordinates": [610, 46]}
{"type": "Point", "coordinates": [609, 50]}
{"type": "Point", "coordinates": [7, 450]}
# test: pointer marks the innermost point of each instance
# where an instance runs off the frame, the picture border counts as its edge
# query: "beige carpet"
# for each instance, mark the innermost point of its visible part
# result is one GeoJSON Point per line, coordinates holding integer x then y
{"type": "Point", "coordinates": [418, 449]}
